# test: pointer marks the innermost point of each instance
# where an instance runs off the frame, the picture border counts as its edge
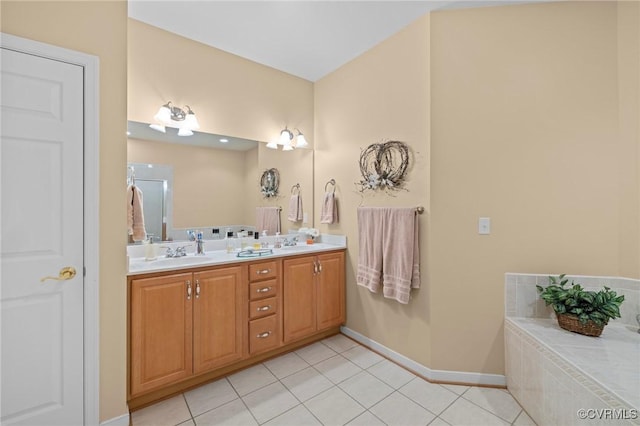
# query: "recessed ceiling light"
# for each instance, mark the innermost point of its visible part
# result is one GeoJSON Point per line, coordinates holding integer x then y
{"type": "Point", "coordinates": [223, 140]}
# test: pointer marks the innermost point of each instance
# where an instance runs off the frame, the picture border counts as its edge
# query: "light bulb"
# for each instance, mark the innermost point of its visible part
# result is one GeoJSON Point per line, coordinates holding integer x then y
{"type": "Point", "coordinates": [285, 137]}
{"type": "Point", "coordinates": [301, 142]}
{"type": "Point", "coordinates": [158, 127]}
{"type": "Point", "coordinates": [163, 115]}
{"type": "Point", "coordinates": [191, 122]}
{"type": "Point", "coordinates": [184, 132]}
{"type": "Point", "coordinates": [287, 147]}
{"type": "Point", "coordinates": [272, 145]}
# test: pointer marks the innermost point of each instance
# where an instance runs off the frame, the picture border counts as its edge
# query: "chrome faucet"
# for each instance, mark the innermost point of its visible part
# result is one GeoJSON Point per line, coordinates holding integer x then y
{"type": "Point", "coordinates": [638, 319]}
{"type": "Point", "coordinates": [290, 242]}
{"type": "Point", "coordinates": [178, 252]}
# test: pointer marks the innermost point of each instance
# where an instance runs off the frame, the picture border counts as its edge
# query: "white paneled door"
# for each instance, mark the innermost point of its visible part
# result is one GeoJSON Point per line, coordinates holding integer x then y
{"type": "Point", "coordinates": [41, 288]}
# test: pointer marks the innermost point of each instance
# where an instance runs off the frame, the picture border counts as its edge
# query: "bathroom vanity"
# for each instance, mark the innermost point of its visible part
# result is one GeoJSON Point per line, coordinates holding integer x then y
{"type": "Point", "coordinates": [194, 320]}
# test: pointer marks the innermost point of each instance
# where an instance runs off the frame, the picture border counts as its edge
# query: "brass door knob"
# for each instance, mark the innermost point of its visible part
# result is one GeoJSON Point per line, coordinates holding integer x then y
{"type": "Point", "coordinates": [66, 273]}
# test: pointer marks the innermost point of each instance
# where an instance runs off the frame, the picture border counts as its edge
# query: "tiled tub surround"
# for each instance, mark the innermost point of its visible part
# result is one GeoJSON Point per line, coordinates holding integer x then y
{"type": "Point", "coordinates": [553, 373]}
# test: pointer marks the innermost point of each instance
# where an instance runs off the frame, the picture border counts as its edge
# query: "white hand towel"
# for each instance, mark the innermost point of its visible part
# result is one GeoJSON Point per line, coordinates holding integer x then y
{"type": "Point", "coordinates": [135, 214]}
{"type": "Point", "coordinates": [295, 208]}
{"type": "Point", "coordinates": [268, 219]}
{"type": "Point", "coordinates": [329, 212]}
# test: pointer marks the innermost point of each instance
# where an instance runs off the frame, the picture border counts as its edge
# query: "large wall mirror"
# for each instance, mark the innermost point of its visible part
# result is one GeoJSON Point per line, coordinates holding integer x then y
{"type": "Point", "coordinates": [209, 182]}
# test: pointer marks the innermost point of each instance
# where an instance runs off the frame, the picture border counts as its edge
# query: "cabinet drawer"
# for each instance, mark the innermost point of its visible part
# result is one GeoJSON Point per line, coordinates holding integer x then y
{"type": "Point", "coordinates": [263, 289]}
{"type": "Point", "coordinates": [263, 334]}
{"type": "Point", "coordinates": [262, 271]}
{"type": "Point", "coordinates": [264, 307]}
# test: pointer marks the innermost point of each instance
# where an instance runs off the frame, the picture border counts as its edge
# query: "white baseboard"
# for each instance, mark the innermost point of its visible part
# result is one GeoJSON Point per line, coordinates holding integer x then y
{"type": "Point", "coordinates": [461, 377]}
{"type": "Point", "coordinates": [122, 420]}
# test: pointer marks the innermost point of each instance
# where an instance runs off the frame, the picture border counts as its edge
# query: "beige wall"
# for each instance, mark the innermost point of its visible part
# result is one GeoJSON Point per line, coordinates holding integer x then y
{"type": "Point", "coordinates": [208, 184]}
{"type": "Point", "coordinates": [535, 126]}
{"type": "Point", "coordinates": [525, 130]}
{"type": "Point", "coordinates": [83, 26]}
{"type": "Point", "coordinates": [230, 95]}
{"type": "Point", "coordinates": [383, 94]}
{"type": "Point", "coordinates": [629, 125]}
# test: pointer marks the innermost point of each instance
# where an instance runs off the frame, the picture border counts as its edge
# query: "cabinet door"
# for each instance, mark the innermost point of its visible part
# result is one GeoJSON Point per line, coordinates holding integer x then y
{"type": "Point", "coordinates": [161, 333]}
{"type": "Point", "coordinates": [219, 323]}
{"type": "Point", "coordinates": [330, 290]}
{"type": "Point", "coordinates": [299, 298]}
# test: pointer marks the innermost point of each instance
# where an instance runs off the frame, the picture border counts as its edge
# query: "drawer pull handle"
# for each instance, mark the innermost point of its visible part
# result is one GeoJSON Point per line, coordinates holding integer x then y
{"type": "Point", "coordinates": [264, 335]}
{"type": "Point", "coordinates": [263, 290]}
{"type": "Point", "coordinates": [264, 308]}
{"type": "Point", "coordinates": [197, 289]}
{"type": "Point", "coordinates": [263, 271]}
{"type": "Point", "coordinates": [188, 290]}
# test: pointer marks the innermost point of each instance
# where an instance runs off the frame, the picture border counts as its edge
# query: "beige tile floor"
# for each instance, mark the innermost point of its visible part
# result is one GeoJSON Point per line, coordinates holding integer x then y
{"type": "Point", "coordinates": [333, 382]}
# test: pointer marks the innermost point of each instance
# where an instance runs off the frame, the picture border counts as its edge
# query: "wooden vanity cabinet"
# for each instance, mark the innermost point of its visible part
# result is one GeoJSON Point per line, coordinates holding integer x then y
{"type": "Point", "coordinates": [185, 324]}
{"type": "Point", "coordinates": [190, 327]}
{"type": "Point", "coordinates": [161, 331]}
{"type": "Point", "coordinates": [265, 317]}
{"type": "Point", "coordinates": [218, 318]}
{"type": "Point", "coordinates": [313, 294]}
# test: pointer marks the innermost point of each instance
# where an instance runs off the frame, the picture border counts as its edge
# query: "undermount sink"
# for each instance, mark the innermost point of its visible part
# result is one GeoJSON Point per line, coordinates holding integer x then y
{"type": "Point", "coordinates": [178, 261]}
{"type": "Point", "coordinates": [300, 247]}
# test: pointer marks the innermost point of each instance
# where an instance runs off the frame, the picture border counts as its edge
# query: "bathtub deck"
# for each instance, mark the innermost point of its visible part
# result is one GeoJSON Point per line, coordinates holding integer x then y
{"type": "Point", "coordinates": [554, 373]}
{"type": "Point", "coordinates": [613, 359]}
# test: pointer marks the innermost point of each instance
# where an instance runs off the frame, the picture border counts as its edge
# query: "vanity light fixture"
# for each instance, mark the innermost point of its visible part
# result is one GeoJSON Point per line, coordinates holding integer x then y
{"type": "Point", "coordinates": [287, 142]}
{"type": "Point", "coordinates": [173, 116]}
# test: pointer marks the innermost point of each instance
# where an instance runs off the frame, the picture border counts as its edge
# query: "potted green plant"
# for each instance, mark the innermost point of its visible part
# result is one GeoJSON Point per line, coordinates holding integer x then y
{"type": "Point", "coordinates": [579, 310]}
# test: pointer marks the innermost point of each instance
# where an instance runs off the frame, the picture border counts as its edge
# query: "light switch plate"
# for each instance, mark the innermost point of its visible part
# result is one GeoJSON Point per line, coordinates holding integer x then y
{"type": "Point", "coordinates": [484, 225]}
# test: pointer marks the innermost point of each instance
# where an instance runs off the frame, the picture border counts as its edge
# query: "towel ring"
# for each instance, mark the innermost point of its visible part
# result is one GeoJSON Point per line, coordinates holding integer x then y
{"type": "Point", "coordinates": [294, 187]}
{"type": "Point", "coordinates": [330, 182]}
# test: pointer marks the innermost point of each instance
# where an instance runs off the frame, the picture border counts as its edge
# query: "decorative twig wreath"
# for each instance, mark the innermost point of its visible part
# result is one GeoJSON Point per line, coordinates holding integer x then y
{"type": "Point", "coordinates": [384, 165]}
{"type": "Point", "coordinates": [269, 183]}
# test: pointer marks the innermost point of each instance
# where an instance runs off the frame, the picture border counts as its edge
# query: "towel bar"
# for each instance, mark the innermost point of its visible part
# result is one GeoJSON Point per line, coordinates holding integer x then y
{"type": "Point", "coordinates": [330, 182]}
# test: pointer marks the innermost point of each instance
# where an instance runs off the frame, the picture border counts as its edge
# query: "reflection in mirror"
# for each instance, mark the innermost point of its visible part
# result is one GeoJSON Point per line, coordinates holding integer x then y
{"type": "Point", "coordinates": [142, 131]}
{"type": "Point", "coordinates": [269, 183]}
{"type": "Point", "coordinates": [208, 187]}
{"type": "Point", "coordinates": [216, 185]}
{"type": "Point", "coordinates": [156, 183]}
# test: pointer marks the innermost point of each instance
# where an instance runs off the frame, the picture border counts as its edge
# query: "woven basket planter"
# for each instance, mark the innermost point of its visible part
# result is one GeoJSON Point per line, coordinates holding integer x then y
{"type": "Point", "coordinates": [572, 323]}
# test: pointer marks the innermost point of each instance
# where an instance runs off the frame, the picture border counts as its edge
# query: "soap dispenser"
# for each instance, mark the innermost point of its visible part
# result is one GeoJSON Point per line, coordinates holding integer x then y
{"type": "Point", "coordinates": [256, 241]}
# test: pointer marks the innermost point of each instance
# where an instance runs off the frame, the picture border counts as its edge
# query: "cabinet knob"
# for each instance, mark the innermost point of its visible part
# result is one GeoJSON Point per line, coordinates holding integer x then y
{"type": "Point", "coordinates": [263, 290]}
{"type": "Point", "coordinates": [264, 335]}
{"type": "Point", "coordinates": [264, 308]}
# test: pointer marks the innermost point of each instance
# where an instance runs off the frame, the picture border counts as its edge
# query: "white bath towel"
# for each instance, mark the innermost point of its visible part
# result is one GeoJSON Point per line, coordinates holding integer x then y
{"type": "Point", "coordinates": [389, 251]}
{"type": "Point", "coordinates": [135, 214]}
{"type": "Point", "coordinates": [268, 219]}
{"type": "Point", "coordinates": [329, 212]}
{"type": "Point", "coordinates": [295, 208]}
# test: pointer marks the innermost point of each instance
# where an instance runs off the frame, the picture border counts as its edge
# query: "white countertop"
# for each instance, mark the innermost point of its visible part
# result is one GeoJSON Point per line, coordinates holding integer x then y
{"type": "Point", "coordinates": [215, 255]}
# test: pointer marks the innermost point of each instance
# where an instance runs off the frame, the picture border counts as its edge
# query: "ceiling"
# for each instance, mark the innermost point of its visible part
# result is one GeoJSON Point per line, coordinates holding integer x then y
{"type": "Point", "coordinates": [308, 39]}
